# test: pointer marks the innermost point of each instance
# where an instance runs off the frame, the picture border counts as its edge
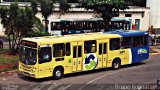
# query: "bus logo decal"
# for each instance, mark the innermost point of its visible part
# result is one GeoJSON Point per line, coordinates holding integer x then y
{"type": "Point", "coordinates": [90, 62]}
{"type": "Point", "coordinates": [142, 51]}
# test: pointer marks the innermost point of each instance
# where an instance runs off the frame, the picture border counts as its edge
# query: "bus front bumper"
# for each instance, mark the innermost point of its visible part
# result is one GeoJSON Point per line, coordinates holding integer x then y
{"type": "Point", "coordinates": [34, 75]}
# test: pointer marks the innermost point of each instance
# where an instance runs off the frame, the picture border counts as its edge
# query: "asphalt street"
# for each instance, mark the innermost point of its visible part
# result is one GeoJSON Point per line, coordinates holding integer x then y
{"type": "Point", "coordinates": [146, 72]}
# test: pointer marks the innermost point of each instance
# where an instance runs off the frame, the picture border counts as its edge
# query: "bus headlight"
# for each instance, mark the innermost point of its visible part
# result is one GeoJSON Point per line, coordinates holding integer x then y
{"type": "Point", "coordinates": [33, 70]}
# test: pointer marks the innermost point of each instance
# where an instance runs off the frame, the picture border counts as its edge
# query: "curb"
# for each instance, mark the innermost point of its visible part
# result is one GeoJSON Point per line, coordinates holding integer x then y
{"type": "Point", "coordinates": [154, 53]}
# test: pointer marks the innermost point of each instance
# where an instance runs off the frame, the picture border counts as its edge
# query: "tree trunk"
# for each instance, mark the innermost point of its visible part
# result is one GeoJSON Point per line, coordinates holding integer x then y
{"type": "Point", "coordinates": [46, 25]}
{"type": "Point", "coordinates": [106, 19]}
{"type": "Point", "coordinates": [9, 41]}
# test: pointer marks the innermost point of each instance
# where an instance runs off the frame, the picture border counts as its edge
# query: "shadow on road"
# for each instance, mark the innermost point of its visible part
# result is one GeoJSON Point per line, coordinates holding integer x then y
{"type": "Point", "coordinates": [26, 78]}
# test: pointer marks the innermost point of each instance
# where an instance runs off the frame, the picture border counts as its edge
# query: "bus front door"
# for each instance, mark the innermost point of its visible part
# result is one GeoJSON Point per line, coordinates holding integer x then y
{"type": "Point", "coordinates": [102, 57]}
{"type": "Point", "coordinates": [77, 58]}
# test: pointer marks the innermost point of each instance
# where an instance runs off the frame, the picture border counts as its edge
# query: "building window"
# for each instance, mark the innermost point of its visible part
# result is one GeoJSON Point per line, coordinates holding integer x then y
{"type": "Point", "coordinates": [128, 15]}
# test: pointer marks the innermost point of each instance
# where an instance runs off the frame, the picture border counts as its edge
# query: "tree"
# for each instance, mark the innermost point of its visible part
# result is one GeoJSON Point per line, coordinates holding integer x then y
{"type": "Point", "coordinates": [18, 23]}
{"type": "Point", "coordinates": [23, 23]}
{"type": "Point", "coordinates": [7, 16]}
{"type": "Point", "coordinates": [63, 7]}
{"type": "Point", "coordinates": [107, 8]}
{"type": "Point", "coordinates": [46, 7]}
{"type": "Point", "coordinates": [34, 6]}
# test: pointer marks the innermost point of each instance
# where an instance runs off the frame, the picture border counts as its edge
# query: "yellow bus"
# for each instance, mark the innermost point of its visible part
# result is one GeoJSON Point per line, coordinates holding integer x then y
{"type": "Point", "coordinates": [58, 55]}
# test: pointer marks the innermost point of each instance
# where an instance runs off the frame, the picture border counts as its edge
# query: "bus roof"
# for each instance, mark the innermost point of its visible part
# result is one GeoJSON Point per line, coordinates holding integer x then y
{"type": "Point", "coordinates": [119, 19]}
{"type": "Point", "coordinates": [127, 33]}
{"type": "Point", "coordinates": [71, 38]}
{"type": "Point", "coordinates": [81, 20]}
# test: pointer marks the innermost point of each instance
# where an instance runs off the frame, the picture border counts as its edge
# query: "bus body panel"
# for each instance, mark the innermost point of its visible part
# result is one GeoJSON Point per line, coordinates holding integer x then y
{"type": "Point", "coordinates": [140, 54]}
{"type": "Point", "coordinates": [29, 70]}
{"type": "Point", "coordinates": [137, 54]}
{"type": "Point", "coordinates": [123, 54]}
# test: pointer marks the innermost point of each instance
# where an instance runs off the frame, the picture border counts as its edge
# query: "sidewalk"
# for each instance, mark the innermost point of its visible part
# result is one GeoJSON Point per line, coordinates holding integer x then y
{"type": "Point", "coordinates": [155, 48]}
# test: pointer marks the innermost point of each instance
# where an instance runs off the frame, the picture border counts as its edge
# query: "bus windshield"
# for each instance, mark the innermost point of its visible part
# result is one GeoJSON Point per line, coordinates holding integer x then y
{"type": "Point", "coordinates": [28, 55]}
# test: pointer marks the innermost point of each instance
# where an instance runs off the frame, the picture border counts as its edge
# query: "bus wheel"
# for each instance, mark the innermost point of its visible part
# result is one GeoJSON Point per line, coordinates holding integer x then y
{"type": "Point", "coordinates": [116, 64]}
{"type": "Point", "coordinates": [58, 73]}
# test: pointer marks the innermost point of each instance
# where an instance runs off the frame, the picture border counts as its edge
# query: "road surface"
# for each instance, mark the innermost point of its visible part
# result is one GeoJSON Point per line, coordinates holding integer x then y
{"type": "Point", "coordinates": [146, 72]}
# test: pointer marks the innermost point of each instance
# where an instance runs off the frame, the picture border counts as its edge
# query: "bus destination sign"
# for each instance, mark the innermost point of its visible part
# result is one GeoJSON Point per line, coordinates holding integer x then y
{"type": "Point", "coordinates": [29, 44]}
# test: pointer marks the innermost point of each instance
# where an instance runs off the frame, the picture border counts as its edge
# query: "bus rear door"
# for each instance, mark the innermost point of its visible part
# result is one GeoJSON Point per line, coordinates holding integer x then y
{"type": "Point", "coordinates": [77, 56]}
{"type": "Point", "coordinates": [102, 54]}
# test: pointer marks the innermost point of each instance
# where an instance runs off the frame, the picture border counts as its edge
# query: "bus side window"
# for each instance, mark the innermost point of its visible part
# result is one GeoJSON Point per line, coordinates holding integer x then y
{"type": "Point", "coordinates": [126, 42]}
{"type": "Point", "coordinates": [105, 48]}
{"type": "Point", "coordinates": [100, 49]}
{"type": "Point", "coordinates": [45, 55]}
{"type": "Point", "coordinates": [138, 41]}
{"type": "Point", "coordinates": [145, 40]}
{"type": "Point", "coordinates": [68, 49]}
{"type": "Point", "coordinates": [59, 50]}
{"type": "Point", "coordinates": [115, 44]}
{"type": "Point", "coordinates": [90, 46]}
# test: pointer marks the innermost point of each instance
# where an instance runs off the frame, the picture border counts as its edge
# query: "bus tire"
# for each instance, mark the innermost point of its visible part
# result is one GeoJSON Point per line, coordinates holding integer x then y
{"type": "Point", "coordinates": [116, 64]}
{"type": "Point", "coordinates": [57, 73]}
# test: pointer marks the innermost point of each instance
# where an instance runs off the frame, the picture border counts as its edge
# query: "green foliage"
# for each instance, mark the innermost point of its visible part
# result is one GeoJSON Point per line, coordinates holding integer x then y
{"type": "Point", "coordinates": [34, 5]}
{"type": "Point", "coordinates": [38, 24]}
{"type": "Point", "coordinates": [64, 6]}
{"type": "Point", "coordinates": [46, 7]}
{"type": "Point", "coordinates": [24, 21]}
{"type": "Point", "coordinates": [3, 15]}
{"type": "Point", "coordinates": [37, 33]}
{"type": "Point", "coordinates": [18, 23]}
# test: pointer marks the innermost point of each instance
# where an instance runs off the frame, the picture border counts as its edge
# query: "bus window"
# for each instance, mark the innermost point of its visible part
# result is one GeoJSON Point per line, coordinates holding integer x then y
{"type": "Point", "coordinates": [100, 49]}
{"type": "Point", "coordinates": [74, 52]}
{"type": "Point", "coordinates": [90, 46]}
{"type": "Point", "coordinates": [68, 50]}
{"type": "Point", "coordinates": [105, 48]}
{"type": "Point", "coordinates": [126, 42]}
{"type": "Point", "coordinates": [79, 51]}
{"type": "Point", "coordinates": [115, 44]}
{"type": "Point", "coordinates": [53, 26]}
{"type": "Point", "coordinates": [145, 40]}
{"type": "Point", "coordinates": [59, 50]}
{"type": "Point", "coordinates": [138, 41]}
{"type": "Point", "coordinates": [45, 55]}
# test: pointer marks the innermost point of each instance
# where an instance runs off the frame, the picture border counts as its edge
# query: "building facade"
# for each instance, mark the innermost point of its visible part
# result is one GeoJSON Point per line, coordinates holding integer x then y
{"type": "Point", "coordinates": [155, 13]}
{"type": "Point", "coordinates": [138, 16]}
